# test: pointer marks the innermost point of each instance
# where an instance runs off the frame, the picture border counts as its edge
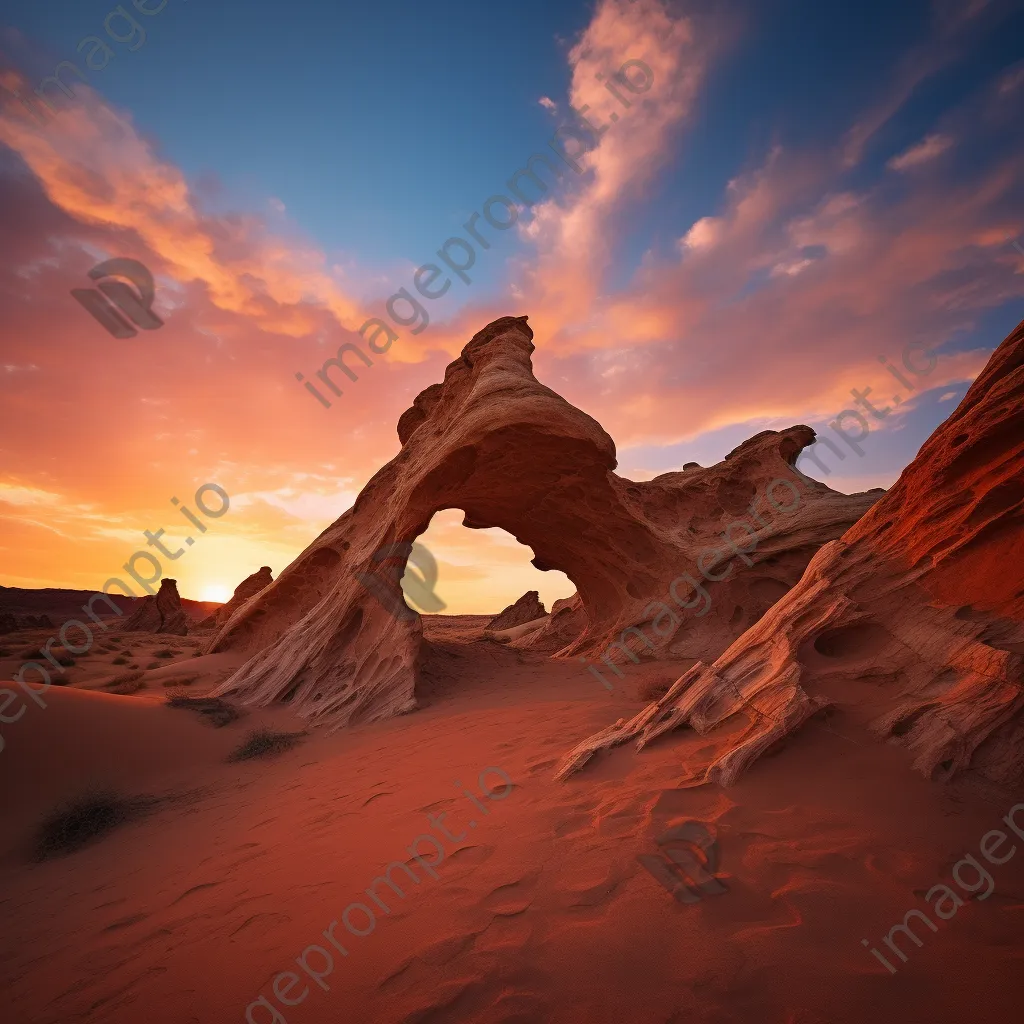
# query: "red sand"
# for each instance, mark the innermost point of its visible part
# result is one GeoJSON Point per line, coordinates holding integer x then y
{"type": "Point", "coordinates": [541, 914]}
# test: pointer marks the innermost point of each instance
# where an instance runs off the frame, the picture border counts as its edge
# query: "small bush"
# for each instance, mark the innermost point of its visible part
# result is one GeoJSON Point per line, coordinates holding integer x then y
{"type": "Point", "coordinates": [216, 711]}
{"type": "Point", "coordinates": [180, 681]}
{"type": "Point", "coordinates": [84, 819]}
{"type": "Point", "coordinates": [119, 661]}
{"type": "Point", "coordinates": [266, 743]}
{"type": "Point", "coordinates": [125, 684]}
{"type": "Point", "coordinates": [152, 664]}
{"type": "Point", "coordinates": [165, 653]}
{"type": "Point", "coordinates": [136, 665]}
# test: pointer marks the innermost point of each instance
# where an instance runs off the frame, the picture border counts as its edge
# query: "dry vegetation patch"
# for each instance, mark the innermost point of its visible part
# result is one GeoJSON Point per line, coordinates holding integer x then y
{"type": "Point", "coordinates": [266, 743]}
{"type": "Point", "coordinates": [86, 818]}
{"type": "Point", "coordinates": [125, 683]}
{"type": "Point", "coordinates": [216, 711]}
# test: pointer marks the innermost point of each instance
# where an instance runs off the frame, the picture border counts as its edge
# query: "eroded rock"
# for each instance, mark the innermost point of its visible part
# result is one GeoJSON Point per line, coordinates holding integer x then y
{"type": "Point", "coordinates": [526, 609]}
{"type": "Point", "coordinates": [914, 618]}
{"type": "Point", "coordinates": [160, 613]}
{"type": "Point", "coordinates": [495, 442]}
{"type": "Point", "coordinates": [249, 587]}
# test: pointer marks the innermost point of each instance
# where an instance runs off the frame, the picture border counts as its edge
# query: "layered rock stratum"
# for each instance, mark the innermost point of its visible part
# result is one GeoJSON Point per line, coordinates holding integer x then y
{"type": "Point", "coordinates": [913, 619]}
{"type": "Point", "coordinates": [493, 441]}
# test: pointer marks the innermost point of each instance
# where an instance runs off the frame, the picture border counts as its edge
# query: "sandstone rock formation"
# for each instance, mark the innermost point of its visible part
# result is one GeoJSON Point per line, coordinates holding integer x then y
{"type": "Point", "coordinates": [161, 613]}
{"type": "Point", "coordinates": [509, 452]}
{"type": "Point", "coordinates": [249, 587]}
{"type": "Point", "coordinates": [10, 623]}
{"type": "Point", "coordinates": [526, 609]}
{"type": "Point", "coordinates": [913, 621]}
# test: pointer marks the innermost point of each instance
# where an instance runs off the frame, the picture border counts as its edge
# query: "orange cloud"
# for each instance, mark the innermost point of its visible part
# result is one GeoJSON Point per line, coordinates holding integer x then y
{"type": "Point", "coordinates": [774, 303]}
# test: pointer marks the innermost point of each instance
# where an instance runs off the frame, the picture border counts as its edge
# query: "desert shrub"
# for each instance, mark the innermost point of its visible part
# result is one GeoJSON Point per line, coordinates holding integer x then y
{"type": "Point", "coordinates": [84, 819]}
{"type": "Point", "coordinates": [32, 655]}
{"type": "Point", "coordinates": [153, 664]}
{"type": "Point", "coordinates": [126, 683]}
{"type": "Point", "coordinates": [180, 681]}
{"type": "Point", "coordinates": [119, 661]}
{"type": "Point", "coordinates": [165, 653]}
{"type": "Point", "coordinates": [265, 743]}
{"type": "Point", "coordinates": [216, 711]}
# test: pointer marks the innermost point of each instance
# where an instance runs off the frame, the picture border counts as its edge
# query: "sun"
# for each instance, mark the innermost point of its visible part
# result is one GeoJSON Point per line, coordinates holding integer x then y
{"type": "Point", "coordinates": [216, 592]}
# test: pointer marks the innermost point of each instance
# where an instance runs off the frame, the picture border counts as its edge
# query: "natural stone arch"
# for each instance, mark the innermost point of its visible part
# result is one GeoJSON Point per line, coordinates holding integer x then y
{"type": "Point", "coordinates": [511, 453]}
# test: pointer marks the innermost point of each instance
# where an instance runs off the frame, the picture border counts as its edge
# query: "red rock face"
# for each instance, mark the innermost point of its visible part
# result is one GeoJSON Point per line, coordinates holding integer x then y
{"type": "Point", "coordinates": [161, 613]}
{"type": "Point", "coordinates": [249, 587]}
{"type": "Point", "coordinates": [526, 609]}
{"type": "Point", "coordinates": [913, 620]}
{"type": "Point", "coordinates": [494, 442]}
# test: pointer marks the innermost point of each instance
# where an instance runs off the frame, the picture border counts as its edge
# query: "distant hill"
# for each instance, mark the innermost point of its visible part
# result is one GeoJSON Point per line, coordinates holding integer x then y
{"type": "Point", "coordinates": [62, 605]}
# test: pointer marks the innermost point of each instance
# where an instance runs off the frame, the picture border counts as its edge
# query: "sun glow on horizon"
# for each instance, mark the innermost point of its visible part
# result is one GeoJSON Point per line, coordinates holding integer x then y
{"type": "Point", "coordinates": [215, 592]}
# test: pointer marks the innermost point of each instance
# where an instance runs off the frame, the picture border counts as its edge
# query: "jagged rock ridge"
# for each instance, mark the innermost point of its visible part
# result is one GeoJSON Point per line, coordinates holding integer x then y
{"type": "Point", "coordinates": [913, 620]}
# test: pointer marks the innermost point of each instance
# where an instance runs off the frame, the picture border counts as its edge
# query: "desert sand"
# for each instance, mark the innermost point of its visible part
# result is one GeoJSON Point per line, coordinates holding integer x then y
{"type": "Point", "coordinates": [842, 779]}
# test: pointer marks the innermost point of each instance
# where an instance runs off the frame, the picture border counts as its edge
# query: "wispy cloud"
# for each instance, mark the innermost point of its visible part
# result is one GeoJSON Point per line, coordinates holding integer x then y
{"type": "Point", "coordinates": [926, 150]}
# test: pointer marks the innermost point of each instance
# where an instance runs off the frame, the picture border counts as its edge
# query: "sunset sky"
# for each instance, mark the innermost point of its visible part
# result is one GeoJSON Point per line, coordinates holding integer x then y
{"type": "Point", "coordinates": [804, 188]}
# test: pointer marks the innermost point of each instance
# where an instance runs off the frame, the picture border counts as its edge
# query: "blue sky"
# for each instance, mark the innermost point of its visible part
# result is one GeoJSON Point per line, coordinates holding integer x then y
{"type": "Point", "coordinates": [806, 187]}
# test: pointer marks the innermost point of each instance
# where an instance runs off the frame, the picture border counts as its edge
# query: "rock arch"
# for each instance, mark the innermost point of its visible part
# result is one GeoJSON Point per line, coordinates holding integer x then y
{"type": "Point", "coordinates": [494, 442]}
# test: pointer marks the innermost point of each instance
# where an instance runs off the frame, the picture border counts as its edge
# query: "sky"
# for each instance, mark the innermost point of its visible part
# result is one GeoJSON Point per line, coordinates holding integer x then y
{"type": "Point", "coordinates": [782, 195]}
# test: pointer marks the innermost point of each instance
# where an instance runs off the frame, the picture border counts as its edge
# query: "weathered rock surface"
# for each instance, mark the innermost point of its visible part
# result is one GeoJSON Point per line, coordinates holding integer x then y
{"type": "Point", "coordinates": [913, 621]}
{"type": "Point", "coordinates": [160, 613]}
{"type": "Point", "coordinates": [526, 609]}
{"type": "Point", "coordinates": [494, 442]}
{"type": "Point", "coordinates": [249, 587]}
{"type": "Point", "coordinates": [11, 623]}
